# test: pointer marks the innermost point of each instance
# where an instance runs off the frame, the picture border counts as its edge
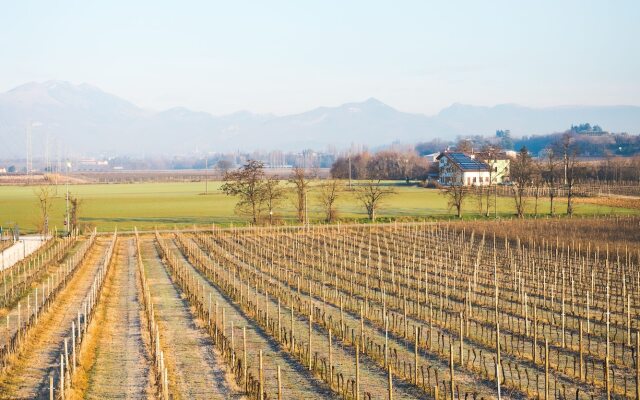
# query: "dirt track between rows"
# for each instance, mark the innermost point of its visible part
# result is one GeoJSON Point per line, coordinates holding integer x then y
{"type": "Point", "coordinates": [116, 355]}
{"type": "Point", "coordinates": [196, 371]}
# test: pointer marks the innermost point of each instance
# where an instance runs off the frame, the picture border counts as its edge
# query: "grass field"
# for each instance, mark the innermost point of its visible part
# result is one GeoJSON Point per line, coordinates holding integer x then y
{"type": "Point", "coordinates": [165, 205]}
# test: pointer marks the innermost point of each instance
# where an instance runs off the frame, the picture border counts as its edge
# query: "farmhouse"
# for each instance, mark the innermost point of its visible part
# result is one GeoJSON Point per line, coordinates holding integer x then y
{"type": "Point", "coordinates": [499, 164]}
{"type": "Point", "coordinates": [461, 169]}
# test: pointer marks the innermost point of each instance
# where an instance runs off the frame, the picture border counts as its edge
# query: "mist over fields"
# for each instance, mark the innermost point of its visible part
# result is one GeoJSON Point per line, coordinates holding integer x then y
{"type": "Point", "coordinates": [83, 119]}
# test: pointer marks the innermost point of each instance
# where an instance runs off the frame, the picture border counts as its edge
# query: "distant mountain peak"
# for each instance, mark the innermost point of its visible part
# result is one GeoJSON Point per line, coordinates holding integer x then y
{"type": "Point", "coordinates": [54, 84]}
{"type": "Point", "coordinates": [371, 102]}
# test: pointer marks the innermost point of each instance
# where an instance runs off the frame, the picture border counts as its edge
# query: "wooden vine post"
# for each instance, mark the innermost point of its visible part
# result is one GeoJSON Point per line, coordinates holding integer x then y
{"type": "Point", "coordinates": [546, 369]}
{"type": "Point", "coordinates": [244, 359]}
{"type": "Point", "coordinates": [451, 370]}
{"type": "Point", "coordinates": [390, 384]}
{"type": "Point", "coordinates": [279, 384]}
{"type": "Point", "coordinates": [357, 370]}
{"type": "Point", "coordinates": [330, 372]}
{"type": "Point", "coordinates": [637, 365]}
{"type": "Point", "coordinates": [261, 375]}
{"type": "Point", "coordinates": [581, 363]}
{"type": "Point", "coordinates": [497, 358]}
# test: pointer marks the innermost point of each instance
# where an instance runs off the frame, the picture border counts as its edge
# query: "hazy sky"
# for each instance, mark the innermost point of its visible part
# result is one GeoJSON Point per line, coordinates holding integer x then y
{"type": "Point", "coordinates": [289, 56]}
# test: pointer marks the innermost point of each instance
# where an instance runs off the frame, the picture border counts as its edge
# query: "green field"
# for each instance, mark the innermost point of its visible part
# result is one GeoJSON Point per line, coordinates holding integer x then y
{"type": "Point", "coordinates": [165, 205]}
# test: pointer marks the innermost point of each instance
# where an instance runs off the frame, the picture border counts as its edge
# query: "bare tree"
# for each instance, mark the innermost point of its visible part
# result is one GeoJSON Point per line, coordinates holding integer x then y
{"type": "Point", "coordinates": [490, 156]}
{"type": "Point", "coordinates": [301, 181]}
{"type": "Point", "coordinates": [74, 212]}
{"type": "Point", "coordinates": [550, 176]}
{"type": "Point", "coordinates": [248, 184]}
{"type": "Point", "coordinates": [537, 182]}
{"type": "Point", "coordinates": [464, 146]}
{"type": "Point", "coordinates": [329, 192]}
{"type": "Point", "coordinates": [371, 193]}
{"type": "Point", "coordinates": [45, 195]}
{"type": "Point", "coordinates": [223, 166]}
{"type": "Point", "coordinates": [569, 153]}
{"type": "Point", "coordinates": [274, 193]}
{"type": "Point", "coordinates": [455, 193]}
{"type": "Point", "coordinates": [521, 173]}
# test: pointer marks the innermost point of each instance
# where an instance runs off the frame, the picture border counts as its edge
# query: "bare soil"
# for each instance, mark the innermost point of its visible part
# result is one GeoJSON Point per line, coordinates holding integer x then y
{"type": "Point", "coordinates": [114, 362]}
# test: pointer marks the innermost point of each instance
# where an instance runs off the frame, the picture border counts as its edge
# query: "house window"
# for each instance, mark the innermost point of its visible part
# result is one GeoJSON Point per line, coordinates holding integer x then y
{"type": "Point", "coordinates": [474, 179]}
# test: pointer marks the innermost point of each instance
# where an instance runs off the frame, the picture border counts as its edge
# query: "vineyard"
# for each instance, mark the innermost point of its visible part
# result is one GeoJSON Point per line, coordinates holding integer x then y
{"type": "Point", "coordinates": [542, 309]}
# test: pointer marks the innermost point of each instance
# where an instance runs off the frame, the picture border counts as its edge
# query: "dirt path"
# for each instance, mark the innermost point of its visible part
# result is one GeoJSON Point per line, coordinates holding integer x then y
{"type": "Point", "coordinates": [119, 364]}
{"type": "Point", "coordinates": [297, 383]}
{"type": "Point", "coordinates": [27, 376]}
{"type": "Point", "coordinates": [195, 370]}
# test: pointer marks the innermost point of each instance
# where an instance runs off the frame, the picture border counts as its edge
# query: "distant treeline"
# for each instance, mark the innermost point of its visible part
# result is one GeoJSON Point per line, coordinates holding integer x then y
{"type": "Point", "coordinates": [591, 141]}
{"type": "Point", "coordinates": [395, 165]}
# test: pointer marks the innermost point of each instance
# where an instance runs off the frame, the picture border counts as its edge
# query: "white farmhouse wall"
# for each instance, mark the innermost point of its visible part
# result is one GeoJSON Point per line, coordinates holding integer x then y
{"type": "Point", "coordinates": [476, 178]}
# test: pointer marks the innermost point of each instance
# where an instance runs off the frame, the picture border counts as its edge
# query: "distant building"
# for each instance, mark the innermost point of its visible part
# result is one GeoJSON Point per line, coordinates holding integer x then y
{"type": "Point", "coordinates": [91, 164]}
{"type": "Point", "coordinates": [461, 169]}
{"type": "Point", "coordinates": [432, 158]}
{"type": "Point", "coordinates": [499, 164]}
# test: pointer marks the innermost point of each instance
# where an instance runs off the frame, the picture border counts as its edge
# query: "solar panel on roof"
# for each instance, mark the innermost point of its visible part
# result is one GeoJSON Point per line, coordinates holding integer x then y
{"type": "Point", "coordinates": [466, 162]}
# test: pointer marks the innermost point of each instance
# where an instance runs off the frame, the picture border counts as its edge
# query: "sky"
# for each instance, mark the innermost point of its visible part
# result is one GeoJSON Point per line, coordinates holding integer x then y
{"type": "Point", "coordinates": [285, 57]}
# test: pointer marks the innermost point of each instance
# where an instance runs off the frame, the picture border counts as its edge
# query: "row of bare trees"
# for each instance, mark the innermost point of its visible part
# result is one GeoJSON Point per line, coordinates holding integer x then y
{"type": "Point", "coordinates": [46, 194]}
{"type": "Point", "coordinates": [558, 168]}
{"type": "Point", "coordinates": [392, 165]}
{"type": "Point", "coordinates": [260, 195]}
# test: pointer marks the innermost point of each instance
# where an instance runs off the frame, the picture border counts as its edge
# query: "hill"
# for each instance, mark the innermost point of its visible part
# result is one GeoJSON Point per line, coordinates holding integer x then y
{"type": "Point", "coordinates": [82, 119]}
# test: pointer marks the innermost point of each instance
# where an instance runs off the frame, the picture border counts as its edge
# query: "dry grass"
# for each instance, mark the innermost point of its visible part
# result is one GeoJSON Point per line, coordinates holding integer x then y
{"type": "Point", "coordinates": [618, 201]}
{"type": "Point", "coordinates": [87, 354]}
{"type": "Point", "coordinates": [113, 363]}
{"type": "Point", "coordinates": [27, 375]}
{"type": "Point", "coordinates": [618, 233]}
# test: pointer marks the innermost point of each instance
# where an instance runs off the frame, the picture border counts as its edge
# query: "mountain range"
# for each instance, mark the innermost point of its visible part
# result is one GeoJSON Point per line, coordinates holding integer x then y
{"type": "Point", "coordinates": [84, 120]}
